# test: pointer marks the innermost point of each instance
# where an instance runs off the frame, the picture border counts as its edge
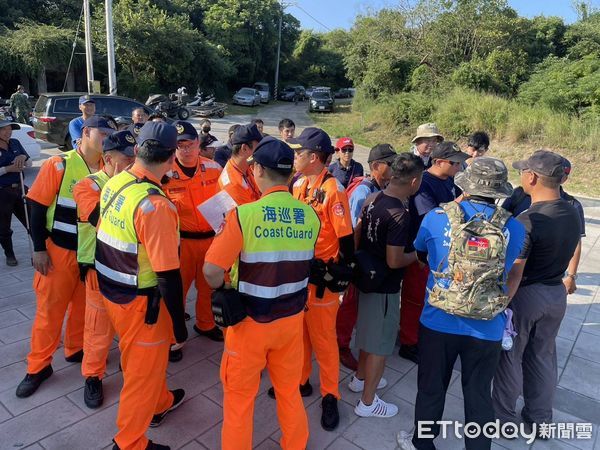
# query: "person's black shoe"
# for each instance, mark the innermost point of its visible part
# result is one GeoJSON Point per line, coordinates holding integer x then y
{"type": "Point", "coordinates": [542, 433]}
{"type": "Point", "coordinates": [186, 316]}
{"type": "Point", "coordinates": [32, 382]}
{"type": "Point", "coordinates": [151, 446]}
{"type": "Point", "coordinates": [11, 261]}
{"type": "Point", "coordinates": [75, 357]}
{"type": "Point", "coordinates": [175, 355]}
{"type": "Point", "coordinates": [93, 395]}
{"type": "Point", "coordinates": [330, 417]}
{"type": "Point", "coordinates": [178, 395]}
{"type": "Point", "coordinates": [306, 390]}
{"type": "Point", "coordinates": [410, 352]}
{"type": "Point", "coordinates": [214, 334]}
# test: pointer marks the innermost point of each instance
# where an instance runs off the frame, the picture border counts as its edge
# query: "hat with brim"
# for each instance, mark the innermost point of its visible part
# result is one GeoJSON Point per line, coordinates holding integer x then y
{"type": "Point", "coordinates": [486, 177]}
{"type": "Point", "coordinates": [543, 162]}
{"type": "Point", "coordinates": [427, 130]}
{"type": "Point", "coordinates": [13, 125]}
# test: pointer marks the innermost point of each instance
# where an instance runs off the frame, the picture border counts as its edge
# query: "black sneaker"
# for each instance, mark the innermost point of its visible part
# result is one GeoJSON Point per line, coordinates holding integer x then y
{"type": "Point", "coordinates": [175, 355]}
{"type": "Point", "coordinates": [178, 395]}
{"type": "Point", "coordinates": [214, 334]}
{"type": "Point", "coordinates": [410, 352]}
{"type": "Point", "coordinates": [330, 417]}
{"type": "Point", "coordinates": [151, 446]}
{"type": "Point", "coordinates": [11, 261]}
{"type": "Point", "coordinates": [306, 390]}
{"type": "Point", "coordinates": [32, 382]}
{"type": "Point", "coordinates": [75, 357]}
{"type": "Point", "coordinates": [93, 395]}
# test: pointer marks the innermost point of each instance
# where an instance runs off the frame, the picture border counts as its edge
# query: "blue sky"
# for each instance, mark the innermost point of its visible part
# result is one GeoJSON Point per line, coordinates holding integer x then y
{"type": "Point", "coordinates": [341, 13]}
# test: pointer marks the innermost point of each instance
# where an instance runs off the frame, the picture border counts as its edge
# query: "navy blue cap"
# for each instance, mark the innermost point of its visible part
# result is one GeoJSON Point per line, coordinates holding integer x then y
{"type": "Point", "coordinates": [245, 133]}
{"type": "Point", "coordinates": [101, 123]}
{"type": "Point", "coordinates": [274, 154]}
{"type": "Point", "coordinates": [164, 133]}
{"type": "Point", "coordinates": [86, 99]}
{"type": "Point", "coordinates": [135, 128]}
{"type": "Point", "coordinates": [121, 141]}
{"type": "Point", "coordinates": [314, 139]}
{"type": "Point", "coordinates": [543, 162]}
{"type": "Point", "coordinates": [185, 131]}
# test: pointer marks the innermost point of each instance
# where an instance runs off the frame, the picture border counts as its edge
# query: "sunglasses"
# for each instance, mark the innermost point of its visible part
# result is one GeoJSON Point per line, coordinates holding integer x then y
{"type": "Point", "coordinates": [346, 150]}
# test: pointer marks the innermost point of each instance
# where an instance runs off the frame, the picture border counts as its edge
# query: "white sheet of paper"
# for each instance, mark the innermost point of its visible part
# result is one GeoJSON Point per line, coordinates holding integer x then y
{"type": "Point", "coordinates": [216, 208]}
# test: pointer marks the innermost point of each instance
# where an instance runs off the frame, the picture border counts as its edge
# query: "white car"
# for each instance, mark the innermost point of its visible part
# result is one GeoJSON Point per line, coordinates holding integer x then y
{"type": "Point", "coordinates": [25, 135]}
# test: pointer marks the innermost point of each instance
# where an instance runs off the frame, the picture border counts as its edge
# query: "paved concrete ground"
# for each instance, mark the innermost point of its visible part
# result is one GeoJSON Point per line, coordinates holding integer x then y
{"type": "Point", "coordinates": [56, 417]}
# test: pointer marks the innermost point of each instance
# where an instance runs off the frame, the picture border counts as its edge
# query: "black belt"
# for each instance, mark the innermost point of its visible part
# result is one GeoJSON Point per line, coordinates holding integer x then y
{"type": "Point", "coordinates": [14, 186]}
{"type": "Point", "coordinates": [196, 234]}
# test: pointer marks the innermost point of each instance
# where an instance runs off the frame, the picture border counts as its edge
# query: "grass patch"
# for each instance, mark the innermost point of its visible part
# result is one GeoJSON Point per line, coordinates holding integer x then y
{"type": "Point", "coordinates": [517, 130]}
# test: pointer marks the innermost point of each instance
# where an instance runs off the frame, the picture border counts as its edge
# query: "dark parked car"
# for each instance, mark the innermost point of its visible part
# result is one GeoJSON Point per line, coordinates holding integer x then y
{"type": "Point", "coordinates": [321, 101]}
{"type": "Point", "coordinates": [288, 93]}
{"type": "Point", "coordinates": [343, 93]}
{"type": "Point", "coordinates": [54, 111]}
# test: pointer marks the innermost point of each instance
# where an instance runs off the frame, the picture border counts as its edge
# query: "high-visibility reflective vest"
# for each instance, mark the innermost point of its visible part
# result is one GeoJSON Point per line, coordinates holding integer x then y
{"type": "Point", "coordinates": [61, 217]}
{"type": "Point", "coordinates": [86, 232]}
{"type": "Point", "coordinates": [122, 264]}
{"type": "Point", "coordinates": [273, 268]}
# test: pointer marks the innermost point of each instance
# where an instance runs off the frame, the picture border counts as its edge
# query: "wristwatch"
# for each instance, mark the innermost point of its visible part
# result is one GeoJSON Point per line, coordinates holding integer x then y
{"type": "Point", "coordinates": [572, 275]}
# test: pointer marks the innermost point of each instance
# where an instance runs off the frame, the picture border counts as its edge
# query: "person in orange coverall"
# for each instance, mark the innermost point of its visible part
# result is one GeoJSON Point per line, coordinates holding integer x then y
{"type": "Point", "coordinates": [193, 180]}
{"type": "Point", "coordinates": [56, 282]}
{"type": "Point", "coordinates": [98, 333]}
{"type": "Point", "coordinates": [137, 264]}
{"type": "Point", "coordinates": [237, 179]}
{"type": "Point", "coordinates": [270, 273]}
{"type": "Point", "coordinates": [335, 248]}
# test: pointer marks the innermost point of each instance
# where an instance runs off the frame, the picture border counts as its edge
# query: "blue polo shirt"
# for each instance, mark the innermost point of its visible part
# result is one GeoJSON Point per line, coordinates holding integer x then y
{"type": "Point", "coordinates": [434, 238]}
{"type": "Point", "coordinates": [345, 176]}
{"type": "Point", "coordinates": [75, 127]}
{"type": "Point", "coordinates": [7, 157]}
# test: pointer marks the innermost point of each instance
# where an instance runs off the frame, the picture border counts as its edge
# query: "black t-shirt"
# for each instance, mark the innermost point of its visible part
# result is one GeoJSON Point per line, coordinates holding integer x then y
{"type": "Point", "coordinates": [550, 241]}
{"type": "Point", "coordinates": [385, 221]}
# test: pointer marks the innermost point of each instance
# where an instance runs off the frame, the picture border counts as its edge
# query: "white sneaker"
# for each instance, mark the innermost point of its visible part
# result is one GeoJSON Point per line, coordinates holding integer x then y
{"type": "Point", "coordinates": [378, 408]}
{"type": "Point", "coordinates": [404, 440]}
{"type": "Point", "coordinates": [357, 385]}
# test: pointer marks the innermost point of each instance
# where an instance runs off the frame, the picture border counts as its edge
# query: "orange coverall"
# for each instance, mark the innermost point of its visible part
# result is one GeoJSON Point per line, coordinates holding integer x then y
{"type": "Point", "coordinates": [145, 348]}
{"type": "Point", "coordinates": [60, 292]}
{"type": "Point", "coordinates": [187, 194]}
{"type": "Point", "coordinates": [241, 186]}
{"type": "Point", "coordinates": [249, 347]}
{"type": "Point", "coordinates": [320, 317]}
{"type": "Point", "coordinates": [98, 332]}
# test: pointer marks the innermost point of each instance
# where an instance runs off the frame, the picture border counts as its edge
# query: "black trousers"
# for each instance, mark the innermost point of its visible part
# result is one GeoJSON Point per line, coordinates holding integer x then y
{"type": "Point", "coordinates": [437, 354]}
{"type": "Point", "coordinates": [11, 202]}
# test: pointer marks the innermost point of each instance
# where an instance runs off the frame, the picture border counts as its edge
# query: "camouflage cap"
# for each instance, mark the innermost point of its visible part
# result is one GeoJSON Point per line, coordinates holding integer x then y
{"type": "Point", "coordinates": [485, 176]}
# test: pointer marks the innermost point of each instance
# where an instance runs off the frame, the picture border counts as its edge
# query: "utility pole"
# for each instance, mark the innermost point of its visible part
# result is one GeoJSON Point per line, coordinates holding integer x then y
{"type": "Point", "coordinates": [88, 46]}
{"type": "Point", "coordinates": [110, 49]}
{"type": "Point", "coordinates": [278, 55]}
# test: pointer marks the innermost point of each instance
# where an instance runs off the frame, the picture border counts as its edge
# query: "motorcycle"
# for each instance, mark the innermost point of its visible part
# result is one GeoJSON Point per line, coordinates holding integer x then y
{"type": "Point", "coordinates": [201, 100]}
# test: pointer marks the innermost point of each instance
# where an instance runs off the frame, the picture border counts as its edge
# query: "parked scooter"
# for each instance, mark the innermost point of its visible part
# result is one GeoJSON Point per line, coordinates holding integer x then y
{"type": "Point", "coordinates": [201, 100]}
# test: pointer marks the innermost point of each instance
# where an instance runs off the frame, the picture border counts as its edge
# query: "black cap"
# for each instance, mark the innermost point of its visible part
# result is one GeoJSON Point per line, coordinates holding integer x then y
{"type": "Point", "coordinates": [382, 152]}
{"type": "Point", "coordinates": [164, 133]}
{"type": "Point", "coordinates": [313, 139]}
{"type": "Point", "coordinates": [101, 123]}
{"type": "Point", "coordinates": [245, 134]}
{"type": "Point", "coordinates": [121, 141]}
{"type": "Point", "coordinates": [185, 131]}
{"type": "Point", "coordinates": [274, 154]}
{"type": "Point", "coordinates": [543, 162]}
{"type": "Point", "coordinates": [449, 151]}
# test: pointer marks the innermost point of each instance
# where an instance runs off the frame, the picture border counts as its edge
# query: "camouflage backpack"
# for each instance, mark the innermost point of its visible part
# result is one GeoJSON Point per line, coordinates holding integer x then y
{"type": "Point", "coordinates": [473, 284]}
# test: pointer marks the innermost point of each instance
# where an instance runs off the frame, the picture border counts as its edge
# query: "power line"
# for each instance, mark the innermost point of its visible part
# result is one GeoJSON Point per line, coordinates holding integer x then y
{"type": "Point", "coordinates": [311, 16]}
